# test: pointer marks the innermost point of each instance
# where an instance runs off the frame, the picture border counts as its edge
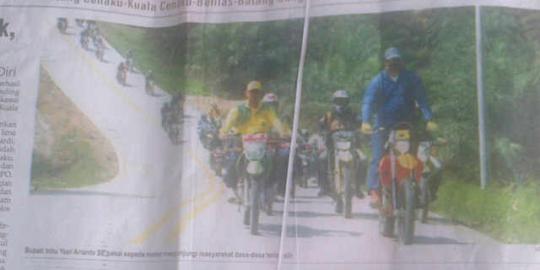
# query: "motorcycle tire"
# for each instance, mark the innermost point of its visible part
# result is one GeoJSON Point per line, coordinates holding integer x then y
{"type": "Point", "coordinates": [407, 212]}
{"type": "Point", "coordinates": [244, 188]}
{"type": "Point", "coordinates": [255, 205]}
{"type": "Point", "coordinates": [386, 223]}
{"type": "Point", "coordinates": [424, 199]}
{"type": "Point", "coordinates": [348, 191]}
{"type": "Point", "coordinates": [247, 212]}
{"type": "Point", "coordinates": [304, 178]}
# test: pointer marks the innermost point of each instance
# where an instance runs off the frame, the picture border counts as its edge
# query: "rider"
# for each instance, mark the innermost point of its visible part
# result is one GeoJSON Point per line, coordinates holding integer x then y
{"type": "Point", "coordinates": [149, 82]}
{"type": "Point", "coordinates": [281, 157]}
{"type": "Point", "coordinates": [251, 117]}
{"type": "Point", "coordinates": [122, 72]}
{"type": "Point", "coordinates": [341, 117]}
{"type": "Point", "coordinates": [392, 95]}
{"type": "Point", "coordinates": [62, 24]}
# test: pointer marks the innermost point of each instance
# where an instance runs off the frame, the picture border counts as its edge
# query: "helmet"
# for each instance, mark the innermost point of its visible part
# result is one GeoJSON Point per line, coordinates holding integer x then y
{"type": "Point", "coordinates": [340, 99]}
{"type": "Point", "coordinates": [392, 53]}
{"type": "Point", "coordinates": [270, 98]}
{"type": "Point", "coordinates": [253, 85]}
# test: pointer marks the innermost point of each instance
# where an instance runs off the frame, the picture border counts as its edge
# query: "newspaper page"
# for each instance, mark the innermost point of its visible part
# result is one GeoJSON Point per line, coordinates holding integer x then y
{"type": "Point", "coordinates": [269, 134]}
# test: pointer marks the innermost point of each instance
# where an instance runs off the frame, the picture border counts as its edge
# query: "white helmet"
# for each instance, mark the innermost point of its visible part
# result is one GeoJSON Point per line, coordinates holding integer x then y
{"type": "Point", "coordinates": [269, 98]}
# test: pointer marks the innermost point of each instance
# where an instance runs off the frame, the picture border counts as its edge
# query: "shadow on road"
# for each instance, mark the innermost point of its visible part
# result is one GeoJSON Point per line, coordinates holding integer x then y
{"type": "Point", "coordinates": [307, 214]}
{"type": "Point", "coordinates": [302, 231]}
{"type": "Point", "coordinates": [293, 201]}
{"type": "Point", "coordinates": [372, 216]}
{"type": "Point", "coordinates": [440, 221]}
{"type": "Point", "coordinates": [426, 240]}
{"type": "Point", "coordinates": [50, 192]}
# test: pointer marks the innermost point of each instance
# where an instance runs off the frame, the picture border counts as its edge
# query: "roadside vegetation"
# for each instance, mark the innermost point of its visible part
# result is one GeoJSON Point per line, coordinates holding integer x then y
{"type": "Point", "coordinates": [69, 151]}
{"type": "Point", "coordinates": [508, 213]}
{"type": "Point", "coordinates": [345, 53]}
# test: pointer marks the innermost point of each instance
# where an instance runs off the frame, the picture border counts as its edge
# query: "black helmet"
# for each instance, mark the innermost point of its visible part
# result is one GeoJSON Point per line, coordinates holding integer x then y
{"type": "Point", "coordinates": [340, 99]}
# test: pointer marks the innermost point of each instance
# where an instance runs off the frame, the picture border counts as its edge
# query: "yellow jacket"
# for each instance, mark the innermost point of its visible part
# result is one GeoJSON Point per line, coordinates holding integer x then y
{"type": "Point", "coordinates": [251, 121]}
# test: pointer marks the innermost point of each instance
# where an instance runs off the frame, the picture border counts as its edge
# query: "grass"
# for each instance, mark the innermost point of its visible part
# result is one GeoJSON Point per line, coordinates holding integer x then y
{"type": "Point", "coordinates": [508, 213]}
{"type": "Point", "coordinates": [73, 165]}
{"type": "Point", "coordinates": [69, 150]}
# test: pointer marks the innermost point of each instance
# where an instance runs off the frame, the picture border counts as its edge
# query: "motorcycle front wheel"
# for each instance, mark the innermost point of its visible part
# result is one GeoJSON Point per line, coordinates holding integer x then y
{"type": "Point", "coordinates": [386, 220]}
{"type": "Point", "coordinates": [406, 212]}
{"type": "Point", "coordinates": [425, 199]}
{"type": "Point", "coordinates": [348, 192]}
{"type": "Point", "coordinates": [255, 204]}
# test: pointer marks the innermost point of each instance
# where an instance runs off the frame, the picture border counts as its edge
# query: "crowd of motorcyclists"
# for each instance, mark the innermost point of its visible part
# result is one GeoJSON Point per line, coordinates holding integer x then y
{"type": "Point", "coordinates": [91, 40]}
{"type": "Point", "coordinates": [250, 147]}
{"type": "Point", "coordinates": [250, 144]}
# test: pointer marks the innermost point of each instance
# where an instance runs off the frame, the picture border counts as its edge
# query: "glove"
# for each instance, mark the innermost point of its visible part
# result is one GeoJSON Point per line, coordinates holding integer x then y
{"type": "Point", "coordinates": [366, 128]}
{"type": "Point", "coordinates": [431, 126]}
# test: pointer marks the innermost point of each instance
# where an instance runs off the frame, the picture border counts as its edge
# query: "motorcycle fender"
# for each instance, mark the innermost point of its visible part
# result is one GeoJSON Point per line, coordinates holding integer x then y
{"type": "Point", "coordinates": [435, 162]}
{"type": "Point", "coordinates": [361, 155]}
{"type": "Point", "coordinates": [345, 156]}
{"type": "Point", "coordinates": [255, 167]}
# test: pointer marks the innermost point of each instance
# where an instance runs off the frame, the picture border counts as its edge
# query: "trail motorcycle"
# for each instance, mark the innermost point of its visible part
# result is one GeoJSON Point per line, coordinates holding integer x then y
{"type": "Point", "coordinates": [121, 77]}
{"type": "Point", "coordinates": [85, 40]}
{"type": "Point", "coordinates": [256, 171]}
{"type": "Point", "coordinates": [208, 132]}
{"type": "Point", "coordinates": [306, 155]}
{"type": "Point", "coordinates": [62, 25]}
{"type": "Point", "coordinates": [345, 162]}
{"type": "Point", "coordinates": [431, 173]}
{"type": "Point", "coordinates": [400, 173]}
{"type": "Point", "coordinates": [100, 51]}
{"type": "Point", "coordinates": [281, 164]}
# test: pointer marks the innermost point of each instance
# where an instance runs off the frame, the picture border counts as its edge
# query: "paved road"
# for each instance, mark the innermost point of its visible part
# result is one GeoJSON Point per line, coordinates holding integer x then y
{"type": "Point", "coordinates": [165, 198]}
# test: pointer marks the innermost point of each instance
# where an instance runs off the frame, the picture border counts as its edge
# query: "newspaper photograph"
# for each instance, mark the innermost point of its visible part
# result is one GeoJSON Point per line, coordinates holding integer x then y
{"type": "Point", "coordinates": [269, 134]}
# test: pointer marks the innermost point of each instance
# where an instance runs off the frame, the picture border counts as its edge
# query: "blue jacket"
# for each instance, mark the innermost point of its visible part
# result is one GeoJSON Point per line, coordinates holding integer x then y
{"type": "Point", "coordinates": [394, 101]}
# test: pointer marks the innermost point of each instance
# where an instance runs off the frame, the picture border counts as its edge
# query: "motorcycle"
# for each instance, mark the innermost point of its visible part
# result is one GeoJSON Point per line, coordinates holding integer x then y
{"type": "Point", "coordinates": [100, 50]}
{"type": "Point", "coordinates": [281, 163]}
{"type": "Point", "coordinates": [400, 173]}
{"type": "Point", "coordinates": [79, 22]}
{"type": "Point", "coordinates": [254, 177]}
{"type": "Point", "coordinates": [345, 160]}
{"type": "Point", "coordinates": [430, 175]}
{"type": "Point", "coordinates": [62, 25]}
{"type": "Point", "coordinates": [121, 76]}
{"type": "Point", "coordinates": [129, 64]}
{"type": "Point", "coordinates": [149, 87]}
{"type": "Point", "coordinates": [217, 153]}
{"type": "Point", "coordinates": [85, 40]}
{"type": "Point", "coordinates": [171, 121]}
{"type": "Point", "coordinates": [307, 158]}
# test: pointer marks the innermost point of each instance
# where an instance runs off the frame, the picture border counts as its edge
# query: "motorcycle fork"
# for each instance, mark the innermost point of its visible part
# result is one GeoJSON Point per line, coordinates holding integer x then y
{"type": "Point", "coordinates": [394, 186]}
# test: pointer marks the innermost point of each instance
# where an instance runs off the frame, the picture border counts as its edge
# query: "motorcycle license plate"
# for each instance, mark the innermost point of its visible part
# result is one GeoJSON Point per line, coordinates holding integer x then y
{"type": "Point", "coordinates": [343, 145]}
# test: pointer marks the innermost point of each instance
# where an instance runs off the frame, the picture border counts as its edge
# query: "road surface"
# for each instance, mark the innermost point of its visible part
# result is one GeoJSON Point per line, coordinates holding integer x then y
{"type": "Point", "coordinates": [167, 205]}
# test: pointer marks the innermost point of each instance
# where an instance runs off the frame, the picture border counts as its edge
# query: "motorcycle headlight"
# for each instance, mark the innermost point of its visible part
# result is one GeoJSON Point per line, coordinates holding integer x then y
{"type": "Point", "coordinates": [255, 151]}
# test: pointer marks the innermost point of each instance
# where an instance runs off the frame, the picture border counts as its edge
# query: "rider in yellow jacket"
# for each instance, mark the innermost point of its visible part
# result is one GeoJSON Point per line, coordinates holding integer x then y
{"type": "Point", "coordinates": [253, 116]}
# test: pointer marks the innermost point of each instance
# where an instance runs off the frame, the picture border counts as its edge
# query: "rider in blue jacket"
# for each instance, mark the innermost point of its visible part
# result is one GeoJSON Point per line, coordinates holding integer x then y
{"type": "Point", "coordinates": [391, 97]}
